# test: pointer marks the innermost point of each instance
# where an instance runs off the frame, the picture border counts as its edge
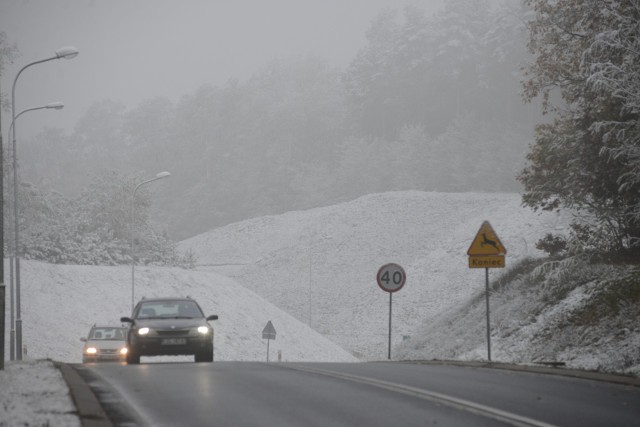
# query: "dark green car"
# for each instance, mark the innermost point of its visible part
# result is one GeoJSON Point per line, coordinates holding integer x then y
{"type": "Point", "coordinates": [171, 327]}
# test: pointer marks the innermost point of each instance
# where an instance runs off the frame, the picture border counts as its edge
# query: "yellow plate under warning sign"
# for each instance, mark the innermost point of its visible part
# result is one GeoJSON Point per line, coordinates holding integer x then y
{"type": "Point", "coordinates": [486, 261]}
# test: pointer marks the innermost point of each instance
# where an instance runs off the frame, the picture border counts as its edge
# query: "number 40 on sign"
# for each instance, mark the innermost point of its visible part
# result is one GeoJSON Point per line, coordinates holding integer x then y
{"type": "Point", "coordinates": [391, 277]}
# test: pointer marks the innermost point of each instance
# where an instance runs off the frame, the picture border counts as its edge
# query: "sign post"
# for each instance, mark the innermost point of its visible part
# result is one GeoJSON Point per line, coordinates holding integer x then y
{"type": "Point", "coordinates": [391, 278]}
{"type": "Point", "coordinates": [487, 251]}
{"type": "Point", "coordinates": [269, 333]}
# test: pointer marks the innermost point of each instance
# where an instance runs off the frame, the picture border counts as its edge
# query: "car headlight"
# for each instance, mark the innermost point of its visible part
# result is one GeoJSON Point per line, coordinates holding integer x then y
{"type": "Point", "coordinates": [124, 350]}
{"type": "Point", "coordinates": [143, 331]}
{"type": "Point", "coordinates": [91, 350]}
{"type": "Point", "coordinates": [203, 330]}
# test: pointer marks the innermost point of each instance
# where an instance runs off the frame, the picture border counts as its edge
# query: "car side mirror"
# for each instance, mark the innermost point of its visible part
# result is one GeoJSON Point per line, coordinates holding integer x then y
{"type": "Point", "coordinates": [83, 339]}
{"type": "Point", "coordinates": [212, 317]}
{"type": "Point", "coordinates": [126, 319]}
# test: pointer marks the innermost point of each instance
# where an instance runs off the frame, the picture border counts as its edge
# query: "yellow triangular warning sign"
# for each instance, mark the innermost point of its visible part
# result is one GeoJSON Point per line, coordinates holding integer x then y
{"type": "Point", "coordinates": [486, 242]}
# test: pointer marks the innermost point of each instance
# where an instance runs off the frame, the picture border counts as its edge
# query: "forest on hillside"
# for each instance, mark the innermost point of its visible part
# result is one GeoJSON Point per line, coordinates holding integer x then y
{"type": "Point", "coordinates": [431, 102]}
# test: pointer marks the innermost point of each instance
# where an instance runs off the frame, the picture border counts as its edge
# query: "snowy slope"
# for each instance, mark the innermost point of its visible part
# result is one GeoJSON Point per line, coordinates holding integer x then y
{"type": "Point", "coordinates": [575, 312]}
{"type": "Point", "coordinates": [61, 302]}
{"type": "Point", "coordinates": [320, 265]}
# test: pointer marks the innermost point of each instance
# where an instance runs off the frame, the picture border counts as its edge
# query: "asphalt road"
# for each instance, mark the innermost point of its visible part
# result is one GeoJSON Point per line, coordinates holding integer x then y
{"type": "Point", "coordinates": [355, 394]}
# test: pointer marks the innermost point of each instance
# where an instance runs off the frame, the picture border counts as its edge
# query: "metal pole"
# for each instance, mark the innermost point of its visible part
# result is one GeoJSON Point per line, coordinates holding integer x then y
{"type": "Point", "coordinates": [160, 175]}
{"type": "Point", "coordinates": [310, 261]}
{"type": "Point", "coordinates": [12, 303]}
{"type": "Point", "coordinates": [16, 242]}
{"type": "Point", "coordinates": [16, 326]}
{"type": "Point", "coordinates": [488, 322]}
{"type": "Point", "coordinates": [12, 245]}
{"type": "Point", "coordinates": [2, 307]}
{"type": "Point", "coordinates": [390, 301]}
{"type": "Point", "coordinates": [68, 53]}
{"type": "Point", "coordinates": [268, 340]}
{"type": "Point", "coordinates": [133, 260]}
{"type": "Point", "coordinates": [2, 287]}
{"type": "Point", "coordinates": [15, 209]}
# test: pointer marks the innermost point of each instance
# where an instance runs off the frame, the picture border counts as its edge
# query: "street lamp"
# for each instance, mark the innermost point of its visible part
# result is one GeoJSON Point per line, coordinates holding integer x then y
{"type": "Point", "coordinates": [160, 175]}
{"type": "Point", "coordinates": [67, 53]}
{"type": "Point", "coordinates": [12, 333]}
{"type": "Point", "coordinates": [52, 106]}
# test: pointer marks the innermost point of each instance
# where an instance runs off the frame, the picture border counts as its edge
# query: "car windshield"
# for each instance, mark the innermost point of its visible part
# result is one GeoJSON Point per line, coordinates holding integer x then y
{"type": "Point", "coordinates": [178, 308]}
{"type": "Point", "coordinates": [106, 333]}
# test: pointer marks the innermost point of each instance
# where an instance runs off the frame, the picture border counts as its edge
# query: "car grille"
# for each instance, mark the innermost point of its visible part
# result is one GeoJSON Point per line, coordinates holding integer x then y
{"type": "Point", "coordinates": [109, 351]}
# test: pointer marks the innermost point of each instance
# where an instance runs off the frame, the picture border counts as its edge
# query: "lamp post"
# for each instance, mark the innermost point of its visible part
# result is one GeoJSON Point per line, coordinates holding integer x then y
{"type": "Point", "coordinates": [160, 175]}
{"type": "Point", "coordinates": [12, 333]}
{"type": "Point", "coordinates": [67, 53]}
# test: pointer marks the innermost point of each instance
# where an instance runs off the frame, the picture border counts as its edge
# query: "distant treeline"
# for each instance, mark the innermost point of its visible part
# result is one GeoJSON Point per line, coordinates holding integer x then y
{"type": "Point", "coordinates": [429, 103]}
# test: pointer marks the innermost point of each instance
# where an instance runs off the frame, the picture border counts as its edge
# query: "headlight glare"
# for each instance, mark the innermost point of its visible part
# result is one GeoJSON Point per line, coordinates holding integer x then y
{"type": "Point", "coordinates": [143, 331]}
{"type": "Point", "coordinates": [124, 350]}
{"type": "Point", "coordinates": [203, 330]}
{"type": "Point", "coordinates": [91, 350]}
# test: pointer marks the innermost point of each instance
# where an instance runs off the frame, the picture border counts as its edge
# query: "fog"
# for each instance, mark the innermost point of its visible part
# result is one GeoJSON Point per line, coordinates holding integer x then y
{"type": "Point", "coordinates": [135, 50]}
{"type": "Point", "coordinates": [260, 108]}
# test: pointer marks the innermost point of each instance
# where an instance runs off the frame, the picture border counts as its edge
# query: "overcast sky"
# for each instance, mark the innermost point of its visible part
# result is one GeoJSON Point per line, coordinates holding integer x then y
{"type": "Point", "coordinates": [131, 50]}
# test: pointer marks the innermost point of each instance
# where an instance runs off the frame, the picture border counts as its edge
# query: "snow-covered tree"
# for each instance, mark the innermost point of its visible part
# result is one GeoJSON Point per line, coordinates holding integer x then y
{"type": "Point", "coordinates": [95, 227]}
{"type": "Point", "coordinates": [8, 53]}
{"type": "Point", "coordinates": [587, 157]}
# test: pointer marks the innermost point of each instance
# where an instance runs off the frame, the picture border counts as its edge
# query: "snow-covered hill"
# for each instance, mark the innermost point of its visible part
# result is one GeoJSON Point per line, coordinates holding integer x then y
{"type": "Point", "coordinates": [575, 312]}
{"type": "Point", "coordinates": [320, 265]}
{"type": "Point", "coordinates": [61, 302]}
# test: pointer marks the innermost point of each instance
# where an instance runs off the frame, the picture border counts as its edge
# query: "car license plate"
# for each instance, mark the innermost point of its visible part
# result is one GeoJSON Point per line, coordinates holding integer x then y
{"type": "Point", "coordinates": [174, 341]}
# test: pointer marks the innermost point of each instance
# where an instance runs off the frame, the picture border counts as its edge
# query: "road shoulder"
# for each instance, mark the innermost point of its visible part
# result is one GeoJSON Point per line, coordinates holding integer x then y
{"type": "Point", "coordinates": [89, 409]}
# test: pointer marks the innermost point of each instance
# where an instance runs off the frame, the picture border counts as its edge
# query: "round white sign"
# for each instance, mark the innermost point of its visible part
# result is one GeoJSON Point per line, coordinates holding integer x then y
{"type": "Point", "coordinates": [391, 277]}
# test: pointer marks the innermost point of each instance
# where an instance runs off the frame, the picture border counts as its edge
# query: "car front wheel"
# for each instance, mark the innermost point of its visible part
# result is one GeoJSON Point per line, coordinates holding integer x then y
{"type": "Point", "coordinates": [204, 356]}
{"type": "Point", "coordinates": [133, 358]}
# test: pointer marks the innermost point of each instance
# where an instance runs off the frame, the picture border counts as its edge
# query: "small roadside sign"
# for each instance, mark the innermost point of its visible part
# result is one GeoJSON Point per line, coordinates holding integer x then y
{"type": "Point", "coordinates": [269, 332]}
{"type": "Point", "coordinates": [486, 251]}
{"type": "Point", "coordinates": [391, 277]}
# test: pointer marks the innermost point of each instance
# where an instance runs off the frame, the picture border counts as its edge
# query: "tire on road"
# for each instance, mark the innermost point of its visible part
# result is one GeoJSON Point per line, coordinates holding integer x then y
{"type": "Point", "coordinates": [133, 358]}
{"type": "Point", "coordinates": [204, 356]}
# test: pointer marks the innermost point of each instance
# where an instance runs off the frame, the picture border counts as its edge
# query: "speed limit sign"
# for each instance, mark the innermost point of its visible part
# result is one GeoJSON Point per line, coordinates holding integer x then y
{"type": "Point", "coordinates": [391, 277]}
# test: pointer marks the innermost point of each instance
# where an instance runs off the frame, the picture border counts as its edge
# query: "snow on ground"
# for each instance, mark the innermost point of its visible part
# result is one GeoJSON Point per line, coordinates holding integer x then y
{"type": "Point", "coordinates": [61, 302]}
{"type": "Point", "coordinates": [33, 393]}
{"type": "Point", "coordinates": [320, 265]}
{"type": "Point", "coordinates": [546, 316]}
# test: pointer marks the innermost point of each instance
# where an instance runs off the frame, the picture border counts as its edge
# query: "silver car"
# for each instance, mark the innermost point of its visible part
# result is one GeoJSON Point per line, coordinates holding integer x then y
{"type": "Point", "coordinates": [105, 343]}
